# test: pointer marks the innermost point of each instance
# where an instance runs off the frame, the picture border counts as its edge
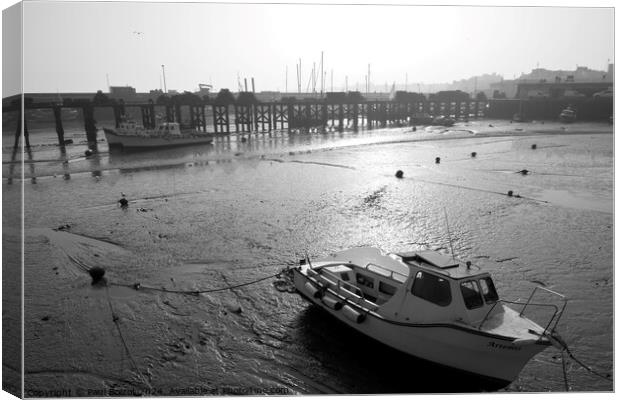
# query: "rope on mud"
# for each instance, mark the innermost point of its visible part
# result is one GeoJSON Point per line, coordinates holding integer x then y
{"type": "Point", "coordinates": [517, 196]}
{"type": "Point", "coordinates": [581, 363]}
{"type": "Point", "coordinates": [115, 319]}
{"type": "Point", "coordinates": [566, 385]}
{"type": "Point", "coordinates": [138, 286]}
{"type": "Point", "coordinates": [587, 367]}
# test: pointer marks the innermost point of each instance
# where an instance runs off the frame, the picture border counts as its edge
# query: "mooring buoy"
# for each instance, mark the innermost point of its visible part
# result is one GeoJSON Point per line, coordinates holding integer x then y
{"type": "Point", "coordinates": [510, 193]}
{"type": "Point", "coordinates": [437, 160]}
{"type": "Point", "coordinates": [97, 274]}
{"type": "Point", "coordinates": [533, 147]}
{"type": "Point", "coordinates": [123, 202]}
{"type": "Point", "coordinates": [399, 174]}
{"type": "Point", "coordinates": [473, 154]}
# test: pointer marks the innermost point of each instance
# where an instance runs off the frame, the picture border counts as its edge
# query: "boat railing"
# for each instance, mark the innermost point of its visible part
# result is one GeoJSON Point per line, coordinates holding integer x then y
{"type": "Point", "coordinates": [555, 318]}
{"type": "Point", "coordinates": [557, 315]}
{"type": "Point", "coordinates": [347, 290]}
{"type": "Point", "coordinates": [355, 296]}
{"type": "Point", "coordinates": [395, 276]}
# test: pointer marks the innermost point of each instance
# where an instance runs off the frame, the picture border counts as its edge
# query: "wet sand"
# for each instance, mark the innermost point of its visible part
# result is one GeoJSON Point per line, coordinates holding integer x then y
{"type": "Point", "coordinates": [237, 211]}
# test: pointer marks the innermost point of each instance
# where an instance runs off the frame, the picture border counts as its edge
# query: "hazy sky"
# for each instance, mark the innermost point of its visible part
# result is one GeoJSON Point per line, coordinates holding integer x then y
{"type": "Point", "coordinates": [71, 46]}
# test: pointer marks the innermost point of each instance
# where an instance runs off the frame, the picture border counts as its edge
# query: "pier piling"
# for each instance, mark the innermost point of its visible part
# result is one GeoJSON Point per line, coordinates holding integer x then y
{"type": "Point", "coordinates": [60, 132]}
{"type": "Point", "coordinates": [89, 125]}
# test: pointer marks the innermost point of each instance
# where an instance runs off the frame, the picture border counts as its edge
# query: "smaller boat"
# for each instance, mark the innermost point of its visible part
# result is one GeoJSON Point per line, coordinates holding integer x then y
{"type": "Point", "coordinates": [421, 118]}
{"type": "Point", "coordinates": [130, 135]}
{"type": "Point", "coordinates": [443, 121]}
{"type": "Point", "coordinates": [568, 115]}
{"type": "Point", "coordinates": [432, 306]}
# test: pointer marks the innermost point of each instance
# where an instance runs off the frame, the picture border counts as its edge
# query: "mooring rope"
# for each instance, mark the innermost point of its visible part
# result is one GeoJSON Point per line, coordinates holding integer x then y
{"type": "Point", "coordinates": [115, 319]}
{"type": "Point", "coordinates": [564, 373]}
{"type": "Point", "coordinates": [138, 286]}
{"type": "Point", "coordinates": [565, 348]}
{"type": "Point", "coordinates": [587, 367]}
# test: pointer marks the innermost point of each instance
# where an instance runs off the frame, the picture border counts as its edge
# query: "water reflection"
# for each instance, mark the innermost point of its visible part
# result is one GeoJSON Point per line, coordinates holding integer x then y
{"type": "Point", "coordinates": [44, 160]}
{"type": "Point", "coordinates": [12, 165]}
{"type": "Point", "coordinates": [65, 163]}
{"type": "Point", "coordinates": [33, 177]}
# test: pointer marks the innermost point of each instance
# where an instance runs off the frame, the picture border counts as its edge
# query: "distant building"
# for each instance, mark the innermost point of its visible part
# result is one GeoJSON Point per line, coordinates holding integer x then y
{"type": "Point", "coordinates": [504, 89]}
{"type": "Point", "coordinates": [544, 83]}
{"type": "Point", "coordinates": [267, 95]}
{"type": "Point", "coordinates": [204, 90]}
{"type": "Point", "coordinates": [475, 84]}
{"type": "Point", "coordinates": [556, 90]}
{"type": "Point", "coordinates": [122, 92]}
{"type": "Point", "coordinates": [581, 74]}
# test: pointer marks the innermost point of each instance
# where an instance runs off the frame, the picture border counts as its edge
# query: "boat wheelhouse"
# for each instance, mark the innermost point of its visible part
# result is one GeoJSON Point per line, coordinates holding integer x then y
{"type": "Point", "coordinates": [568, 115]}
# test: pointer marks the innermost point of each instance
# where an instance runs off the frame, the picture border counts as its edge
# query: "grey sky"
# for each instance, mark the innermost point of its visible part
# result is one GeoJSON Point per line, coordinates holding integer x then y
{"type": "Point", "coordinates": [71, 46]}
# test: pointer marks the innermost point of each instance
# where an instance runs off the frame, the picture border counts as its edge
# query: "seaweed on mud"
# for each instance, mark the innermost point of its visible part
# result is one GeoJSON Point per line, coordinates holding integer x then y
{"type": "Point", "coordinates": [373, 200]}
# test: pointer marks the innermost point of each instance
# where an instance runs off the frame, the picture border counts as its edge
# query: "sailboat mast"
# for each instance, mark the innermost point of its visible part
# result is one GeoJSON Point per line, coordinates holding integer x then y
{"type": "Point", "coordinates": [298, 78]}
{"type": "Point", "coordinates": [448, 229]}
{"type": "Point", "coordinates": [322, 77]}
{"type": "Point", "coordinates": [163, 70]}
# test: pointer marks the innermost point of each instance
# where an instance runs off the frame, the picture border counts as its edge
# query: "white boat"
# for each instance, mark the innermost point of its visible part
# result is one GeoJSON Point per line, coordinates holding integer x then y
{"type": "Point", "coordinates": [129, 134]}
{"type": "Point", "coordinates": [430, 306]}
{"type": "Point", "coordinates": [443, 121]}
{"type": "Point", "coordinates": [568, 115]}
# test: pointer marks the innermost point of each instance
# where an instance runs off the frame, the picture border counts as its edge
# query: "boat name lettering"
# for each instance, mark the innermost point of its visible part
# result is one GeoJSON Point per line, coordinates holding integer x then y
{"type": "Point", "coordinates": [503, 346]}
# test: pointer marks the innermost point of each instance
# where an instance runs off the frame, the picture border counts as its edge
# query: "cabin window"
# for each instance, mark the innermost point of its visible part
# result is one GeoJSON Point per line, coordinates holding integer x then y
{"type": "Point", "coordinates": [488, 290]}
{"type": "Point", "coordinates": [365, 281]}
{"type": "Point", "coordinates": [344, 276]}
{"type": "Point", "coordinates": [378, 270]}
{"type": "Point", "coordinates": [432, 288]}
{"type": "Point", "coordinates": [399, 278]}
{"type": "Point", "coordinates": [471, 294]}
{"type": "Point", "coordinates": [387, 289]}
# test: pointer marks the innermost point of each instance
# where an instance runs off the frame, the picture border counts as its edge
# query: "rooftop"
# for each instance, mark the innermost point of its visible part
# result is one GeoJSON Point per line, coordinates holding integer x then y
{"type": "Point", "coordinates": [440, 263]}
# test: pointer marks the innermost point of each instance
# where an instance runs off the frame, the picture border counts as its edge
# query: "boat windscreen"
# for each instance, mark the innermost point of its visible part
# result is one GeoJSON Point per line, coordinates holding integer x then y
{"type": "Point", "coordinates": [437, 259]}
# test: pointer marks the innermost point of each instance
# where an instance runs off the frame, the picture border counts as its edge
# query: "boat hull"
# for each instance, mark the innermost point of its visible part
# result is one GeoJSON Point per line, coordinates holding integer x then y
{"type": "Point", "coordinates": [493, 357]}
{"type": "Point", "coordinates": [145, 142]}
{"type": "Point", "coordinates": [567, 119]}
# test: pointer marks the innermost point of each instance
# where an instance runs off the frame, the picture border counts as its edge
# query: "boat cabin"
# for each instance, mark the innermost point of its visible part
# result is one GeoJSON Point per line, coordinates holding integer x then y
{"type": "Point", "coordinates": [168, 128]}
{"type": "Point", "coordinates": [414, 287]}
{"type": "Point", "coordinates": [449, 287]}
{"type": "Point", "coordinates": [130, 128]}
{"type": "Point", "coordinates": [162, 129]}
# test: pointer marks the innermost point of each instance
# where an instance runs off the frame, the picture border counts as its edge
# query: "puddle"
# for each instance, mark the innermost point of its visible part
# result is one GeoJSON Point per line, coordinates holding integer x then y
{"type": "Point", "coordinates": [568, 199]}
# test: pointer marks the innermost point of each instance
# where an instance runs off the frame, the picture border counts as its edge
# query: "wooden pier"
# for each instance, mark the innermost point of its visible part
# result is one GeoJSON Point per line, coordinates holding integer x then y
{"type": "Point", "coordinates": [246, 117]}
